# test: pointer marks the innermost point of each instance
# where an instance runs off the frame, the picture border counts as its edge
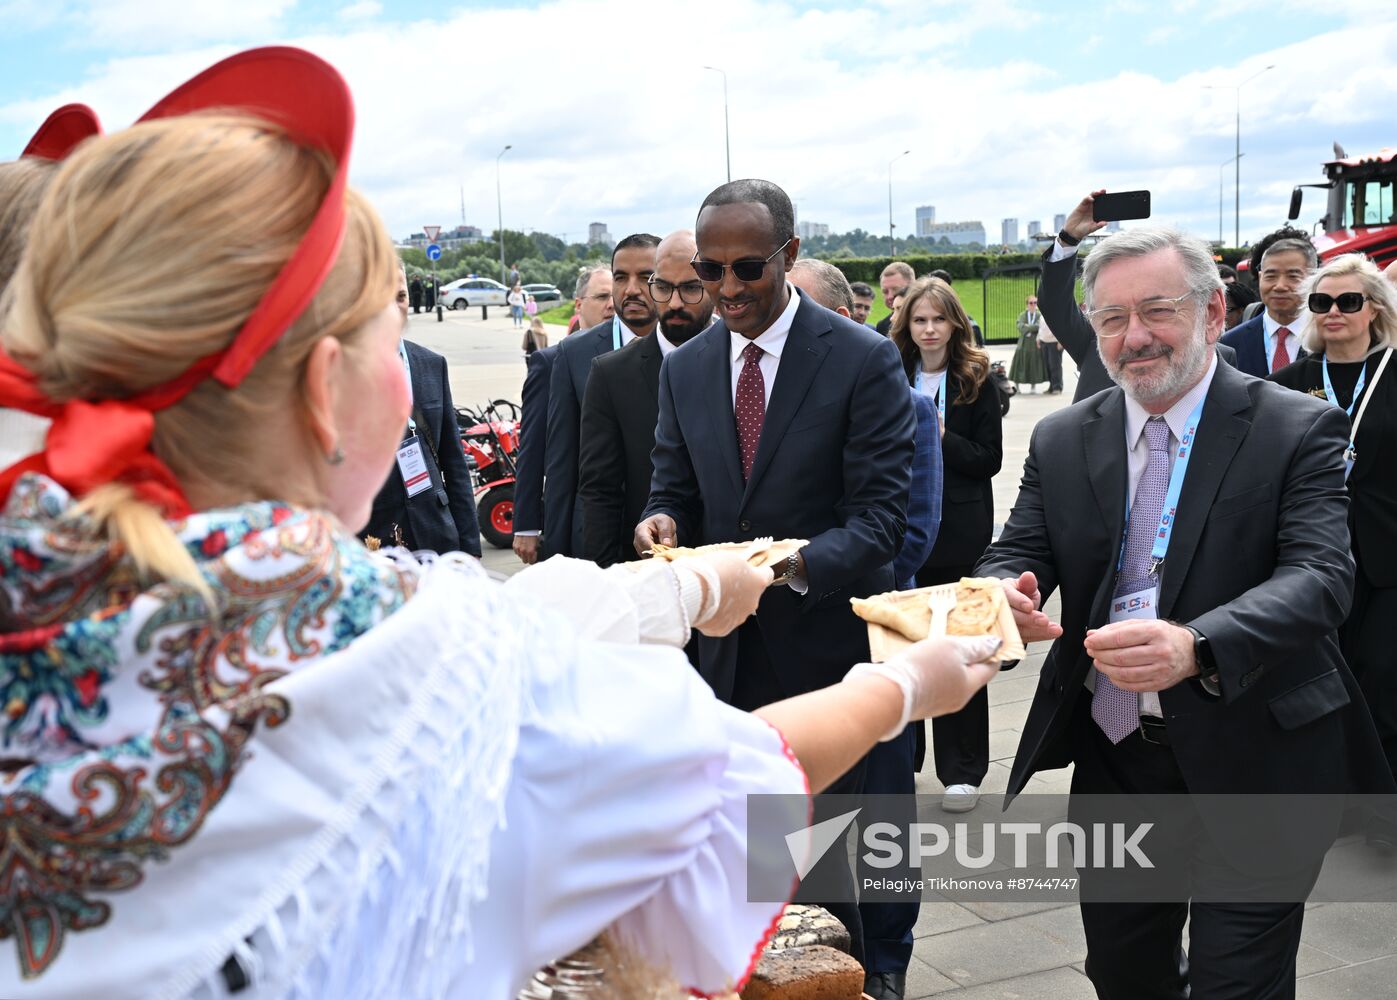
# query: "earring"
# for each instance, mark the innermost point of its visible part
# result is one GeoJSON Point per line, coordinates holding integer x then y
{"type": "Point", "coordinates": [336, 457]}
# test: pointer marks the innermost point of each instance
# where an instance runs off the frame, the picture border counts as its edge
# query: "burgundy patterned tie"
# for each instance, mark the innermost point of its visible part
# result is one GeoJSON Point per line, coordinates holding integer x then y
{"type": "Point", "coordinates": [1117, 712]}
{"type": "Point", "coordinates": [1282, 356]}
{"type": "Point", "coordinates": [750, 408]}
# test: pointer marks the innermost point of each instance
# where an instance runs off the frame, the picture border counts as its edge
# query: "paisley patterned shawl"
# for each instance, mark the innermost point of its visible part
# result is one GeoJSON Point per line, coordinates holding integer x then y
{"type": "Point", "coordinates": [126, 710]}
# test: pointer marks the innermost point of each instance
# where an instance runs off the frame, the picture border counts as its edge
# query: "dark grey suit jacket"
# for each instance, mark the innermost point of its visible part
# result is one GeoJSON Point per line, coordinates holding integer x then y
{"type": "Point", "coordinates": [1259, 563]}
{"type": "Point", "coordinates": [562, 511]}
{"type": "Point", "coordinates": [533, 441]}
{"type": "Point", "coordinates": [441, 519]}
{"type": "Point", "coordinates": [1057, 301]}
{"type": "Point", "coordinates": [619, 411]}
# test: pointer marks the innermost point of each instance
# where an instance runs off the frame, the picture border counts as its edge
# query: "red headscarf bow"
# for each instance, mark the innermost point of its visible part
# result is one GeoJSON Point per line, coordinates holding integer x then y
{"type": "Point", "coordinates": [92, 442]}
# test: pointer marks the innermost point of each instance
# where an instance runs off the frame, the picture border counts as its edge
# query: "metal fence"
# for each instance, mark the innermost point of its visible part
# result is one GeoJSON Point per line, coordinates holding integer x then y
{"type": "Point", "coordinates": [1001, 299]}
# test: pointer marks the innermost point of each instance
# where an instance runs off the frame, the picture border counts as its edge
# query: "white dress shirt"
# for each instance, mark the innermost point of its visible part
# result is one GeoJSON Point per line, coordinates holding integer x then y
{"type": "Point", "coordinates": [1138, 456]}
{"type": "Point", "coordinates": [665, 345]}
{"type": "Point", "coordinates": [772, 341]}
{"type": "Point", "coordinates": [1271, 328]}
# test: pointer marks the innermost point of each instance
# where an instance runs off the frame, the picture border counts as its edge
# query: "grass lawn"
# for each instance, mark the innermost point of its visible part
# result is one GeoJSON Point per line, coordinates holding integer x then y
{"type": "Point", "coordinates": [559, 315]}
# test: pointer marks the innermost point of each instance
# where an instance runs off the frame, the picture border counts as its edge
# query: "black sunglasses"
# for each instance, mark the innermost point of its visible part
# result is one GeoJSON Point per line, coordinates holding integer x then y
{"type": "Point", "coordinates": [1348, 302]}
{"type": "Point", "coordinates": [748, 269]}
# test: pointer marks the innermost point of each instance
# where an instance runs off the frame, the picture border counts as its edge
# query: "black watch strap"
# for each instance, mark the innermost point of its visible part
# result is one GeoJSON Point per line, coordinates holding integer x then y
{"type": "Point", "coordinates": [1203, 655]}
{"type": "Point", "coordinates": [1066, 238]}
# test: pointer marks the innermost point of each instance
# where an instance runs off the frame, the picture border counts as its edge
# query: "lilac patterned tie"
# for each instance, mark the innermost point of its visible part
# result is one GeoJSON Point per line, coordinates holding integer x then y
{"type": "Point", "coordinates": [1117, 712]}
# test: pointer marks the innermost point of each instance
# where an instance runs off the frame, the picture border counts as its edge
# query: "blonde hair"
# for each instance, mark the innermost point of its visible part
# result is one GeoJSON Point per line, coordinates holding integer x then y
{"type": "Point", "coordinates": [150, 251]}
{"type": "Point", "coordinates": [1382, 300]}
{"type": "Point", "coordinates": [22, 185]}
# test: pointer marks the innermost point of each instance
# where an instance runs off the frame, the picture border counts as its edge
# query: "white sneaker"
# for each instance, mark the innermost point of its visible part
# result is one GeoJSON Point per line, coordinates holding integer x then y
{"type": "Point", "coordinates": [960, 798]}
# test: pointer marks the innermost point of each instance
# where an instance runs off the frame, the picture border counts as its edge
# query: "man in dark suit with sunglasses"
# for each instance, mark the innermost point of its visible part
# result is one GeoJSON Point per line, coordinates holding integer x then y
{"type": "Point", "coordinates": [788, 420]}
{"type": "Point", "coordinates": [622, 403]}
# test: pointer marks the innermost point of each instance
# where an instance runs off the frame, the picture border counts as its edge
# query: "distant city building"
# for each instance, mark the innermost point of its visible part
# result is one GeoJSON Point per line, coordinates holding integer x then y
{"type": "Point", "coordinates": [1113, 226]}
{"type": "Point", "coordinates": [811, 230]}
{"type": "Point", "coordinates": [1059, 221]}
{"type": "Point", "coordinates": [1034, 228]}
{"type": "Point", "coordinates": [956, 233]}
{"type": "Point", "coordinates": [452, 239]}
{"type": "Point", "coordinates": [597, 233]}
{"type": "Point", "coordinates": [1009, 232]}
{"type": "Point", "coordinates": [926, 218]}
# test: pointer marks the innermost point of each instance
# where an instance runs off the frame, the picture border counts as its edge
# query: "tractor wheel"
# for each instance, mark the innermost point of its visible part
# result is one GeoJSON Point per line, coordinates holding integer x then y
{"type": "Point", "coordinates": [495, 512]}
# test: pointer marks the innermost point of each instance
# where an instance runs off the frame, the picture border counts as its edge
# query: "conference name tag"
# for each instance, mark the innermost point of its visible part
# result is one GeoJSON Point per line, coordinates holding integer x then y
{"type": "Point", "coordinates": [416, 478]}
{"type": "Point", "coordinates": [1142, 605]}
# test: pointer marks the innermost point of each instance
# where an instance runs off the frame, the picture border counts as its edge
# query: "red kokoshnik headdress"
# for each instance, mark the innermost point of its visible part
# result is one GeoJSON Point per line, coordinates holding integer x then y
{"type": "Point", "coordinates": [93, 442]}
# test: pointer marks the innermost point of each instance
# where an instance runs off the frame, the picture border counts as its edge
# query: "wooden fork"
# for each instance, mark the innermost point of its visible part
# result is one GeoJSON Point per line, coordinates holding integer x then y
{"type": "Point", "coordinates": [757, 546]}
{"type": "Point", "coordinates": [941, 600]}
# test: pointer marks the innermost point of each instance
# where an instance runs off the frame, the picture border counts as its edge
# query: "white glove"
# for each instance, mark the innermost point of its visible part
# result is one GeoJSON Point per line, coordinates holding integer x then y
{"type": "Point", "coordinates": [937, 676]}
{"type": "Point", "coordinates": [732, 589]}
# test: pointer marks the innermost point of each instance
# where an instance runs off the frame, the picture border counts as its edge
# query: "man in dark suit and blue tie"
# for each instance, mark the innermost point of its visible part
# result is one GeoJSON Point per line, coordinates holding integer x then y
{"type": "Point", "coordinates": [1185, 517]}
{"type": "Point", "coordinates": [1270, 340]}
{"type": "Point", "coordinates": [632, 263]}
{"type": "Point", "coordinates": [592, 305]}
{"type": "Point", "coordinates": [782, 419]}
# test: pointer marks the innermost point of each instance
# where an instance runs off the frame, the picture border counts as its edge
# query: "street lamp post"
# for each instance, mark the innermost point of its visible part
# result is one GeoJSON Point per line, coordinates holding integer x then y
{"type": "Point", "coordinates": [1221, 167]}
{"type": "Point", "coordinates": [727, 139]}
{"type": "Point", "coordinates": [499, 209]}
{"type": "Point", "coordinates": [892, 241]}
{"type": "Point", "coordinates": [1237, 151]}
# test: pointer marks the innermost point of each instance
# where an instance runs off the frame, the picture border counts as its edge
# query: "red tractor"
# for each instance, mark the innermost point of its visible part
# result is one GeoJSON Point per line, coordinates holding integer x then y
{"type": "Point", "coordinates": [490, 438]}
{"type": "Point", "coordinates": [1361, 207]}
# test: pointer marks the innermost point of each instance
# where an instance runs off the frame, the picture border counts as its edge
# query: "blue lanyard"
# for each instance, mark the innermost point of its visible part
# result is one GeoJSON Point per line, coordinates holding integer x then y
{"type": "Point", "coordinates": [1333, 397]}
{"type": "Point", "coordinates": [407, 367]}
{"type": "Point", "coordinates": [940, 396]}
{"type": "Point", "coordinates": [616, 333]}
{"type": "Point", "coordinates": [1171, 495]}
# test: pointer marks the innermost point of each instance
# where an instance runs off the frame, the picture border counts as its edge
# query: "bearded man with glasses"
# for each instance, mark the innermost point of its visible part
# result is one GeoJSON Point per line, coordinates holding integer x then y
{"type": "Point", "coordinates": [788, 420]}
{"type": "Point", "coordinates": [621, 404]}
{"type": "Point", "coordinates": [1193, 520]}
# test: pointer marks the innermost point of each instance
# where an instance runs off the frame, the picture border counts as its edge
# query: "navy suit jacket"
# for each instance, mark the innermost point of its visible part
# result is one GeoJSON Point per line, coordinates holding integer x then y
{"type": "Point", "coordinates": [834, 465]}
{"type": "Point", "coordinates": [441, 519]}
{"type": "Point", "coordinates": [562, 510]}
{"type": "Point", "coordinates": [533, 441]}
{"type": "Point", "coordinates": [1249, 341]}
{"type": "Point", "coordinates": [924, 499]}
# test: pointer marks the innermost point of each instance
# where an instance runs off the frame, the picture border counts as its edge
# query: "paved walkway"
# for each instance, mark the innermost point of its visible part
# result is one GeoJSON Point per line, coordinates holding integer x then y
{"type": "Point", "coordinates": [981, 951]}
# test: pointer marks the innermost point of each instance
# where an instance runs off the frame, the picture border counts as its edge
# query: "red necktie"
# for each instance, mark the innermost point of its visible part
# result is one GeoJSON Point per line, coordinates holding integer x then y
{"type": "Point", "coordinates": [750, 408]}
{"type": "Point", "coordinates": [1282, 356]}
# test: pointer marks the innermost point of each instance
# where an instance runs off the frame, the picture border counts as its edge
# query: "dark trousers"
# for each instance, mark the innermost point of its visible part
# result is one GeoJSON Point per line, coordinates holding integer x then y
{"type": "Point", "coordinates": [1236, 951]}
{"type": "Point", "coordinates": [1367, 645]}
{"type": "Point", "coordinates": [1052, 358]}
{"type": "Point", "coordinates": [755, 684]}
{"type": "Point", "coordinates": [960, 741]}
{"type": "Point", "coordinates": [887, 927]}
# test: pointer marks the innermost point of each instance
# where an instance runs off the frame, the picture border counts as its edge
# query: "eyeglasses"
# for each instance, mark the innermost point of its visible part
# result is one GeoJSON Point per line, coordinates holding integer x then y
{"type": "Point", "coordinates": [747, 269]}
{"type": "Point", "coordinates": [1156, 314]}
{"type": "Point", "coordinates": [662, 291]}
{"type": "Point", "coordinates": [1348, 302]}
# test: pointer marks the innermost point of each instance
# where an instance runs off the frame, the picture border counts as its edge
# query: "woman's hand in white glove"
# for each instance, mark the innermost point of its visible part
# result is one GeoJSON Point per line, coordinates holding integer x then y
{"type": "Point", "coordinates": [937, 676]}
{"type": "Point", "coordinates": [739, 586]}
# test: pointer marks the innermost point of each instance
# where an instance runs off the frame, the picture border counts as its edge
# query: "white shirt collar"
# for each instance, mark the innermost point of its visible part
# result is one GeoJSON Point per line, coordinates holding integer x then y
{"type": "Point", "coordinates": [1176, 416]}
{"type": "Point", "coordinates": [773, 339]}
{"type": "Point", "coordinates": [665, 345]}
{"type": "Point", "coordinates": [1269, 324]}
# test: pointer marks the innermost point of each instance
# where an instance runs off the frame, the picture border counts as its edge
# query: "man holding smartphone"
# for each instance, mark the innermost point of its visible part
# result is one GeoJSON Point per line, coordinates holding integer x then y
{"type": "Point", "coordinates": [1058, 301]}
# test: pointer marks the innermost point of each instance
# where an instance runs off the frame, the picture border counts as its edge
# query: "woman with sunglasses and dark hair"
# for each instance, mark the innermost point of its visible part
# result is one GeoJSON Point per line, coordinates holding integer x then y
{"type": "Point", "coordinates": [934, 336]}
{"type": "Point", "coordinates": [1351, 337]}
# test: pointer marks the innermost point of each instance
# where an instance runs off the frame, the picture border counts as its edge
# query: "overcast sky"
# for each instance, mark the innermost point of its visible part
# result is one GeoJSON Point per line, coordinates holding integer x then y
{"type": "Point", "coordinates": [1009, 108]}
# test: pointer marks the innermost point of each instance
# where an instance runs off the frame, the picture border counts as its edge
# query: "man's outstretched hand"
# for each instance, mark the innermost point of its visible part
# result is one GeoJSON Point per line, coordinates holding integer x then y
{"type": "Point", "coordinates": [1025, 602]}
{"type": "Point", "coordinates": [1079, 223]}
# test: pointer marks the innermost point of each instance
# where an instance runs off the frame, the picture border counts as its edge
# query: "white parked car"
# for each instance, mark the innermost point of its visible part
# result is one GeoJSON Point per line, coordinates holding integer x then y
{"type": "Point", "coordinates": [466, 292]}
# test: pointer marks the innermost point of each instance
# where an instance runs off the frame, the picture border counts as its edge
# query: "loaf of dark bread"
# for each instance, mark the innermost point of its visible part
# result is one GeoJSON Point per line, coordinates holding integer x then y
{"type": "Point", "coordinates": [813, 972]}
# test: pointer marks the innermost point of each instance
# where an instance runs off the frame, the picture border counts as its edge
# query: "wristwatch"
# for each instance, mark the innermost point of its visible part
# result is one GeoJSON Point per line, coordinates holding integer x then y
{"type": "Point", "coordinates": [1203, 655]}
{"type": "Point", "coordinates": [1066, 238]}
{"type": "Point", "coordinates": [788, 569]}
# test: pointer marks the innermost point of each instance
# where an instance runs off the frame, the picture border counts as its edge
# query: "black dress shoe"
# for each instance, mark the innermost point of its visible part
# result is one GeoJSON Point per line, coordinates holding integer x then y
{"type": "Point", "coordinates": [885, 985]}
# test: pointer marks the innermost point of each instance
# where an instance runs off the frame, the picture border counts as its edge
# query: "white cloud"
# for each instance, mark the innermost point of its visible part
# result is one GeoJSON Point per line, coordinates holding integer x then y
{"type": "Point", "coordinates": [613, 118]}
{"type": "Point", "coordinates": [360, 11]}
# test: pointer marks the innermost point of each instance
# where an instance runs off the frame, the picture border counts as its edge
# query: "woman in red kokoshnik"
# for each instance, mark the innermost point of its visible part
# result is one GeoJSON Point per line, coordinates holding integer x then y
{"type": "Point", "coordinates": [242, 752]}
